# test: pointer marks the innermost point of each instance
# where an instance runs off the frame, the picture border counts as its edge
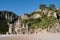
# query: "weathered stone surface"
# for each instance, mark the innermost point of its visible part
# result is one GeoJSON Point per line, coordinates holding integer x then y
{"type": "Point", "coordinates": [24, 17]}
{"type": "Point", "coordinates": [54, 28]}
{"type": "Point", "coordinates": [36, 16]}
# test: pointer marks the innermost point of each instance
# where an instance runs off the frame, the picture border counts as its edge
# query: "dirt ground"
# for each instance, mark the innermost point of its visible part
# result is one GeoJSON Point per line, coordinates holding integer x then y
{"type": "Point", "coordinates": [40, 36]}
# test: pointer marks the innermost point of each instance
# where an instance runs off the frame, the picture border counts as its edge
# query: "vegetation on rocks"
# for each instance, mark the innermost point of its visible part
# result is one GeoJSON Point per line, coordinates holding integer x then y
{"type": "Point", "coordinates": [6, 17]}
{"type": "Point", "coordinates": [44, 21]}
{"type": "Point", "coordinates": [3, 26]}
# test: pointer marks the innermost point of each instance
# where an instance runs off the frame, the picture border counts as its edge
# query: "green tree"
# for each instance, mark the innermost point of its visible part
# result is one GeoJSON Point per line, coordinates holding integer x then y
{"type": "Point", "coordinates": [51, 6]}
{"type": "Point", "coordinates": [42, 6]}
{"type": "Point", "coordinates": [3, 26]}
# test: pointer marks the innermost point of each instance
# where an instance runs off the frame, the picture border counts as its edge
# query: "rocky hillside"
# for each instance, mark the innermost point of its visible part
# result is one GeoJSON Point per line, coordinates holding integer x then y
{"type": "Point", "coordinates": [10, 16]}
{"type": "Point", "coordinates": [6, 17]}
{"type": "Point", "coordinates": [44, 18]}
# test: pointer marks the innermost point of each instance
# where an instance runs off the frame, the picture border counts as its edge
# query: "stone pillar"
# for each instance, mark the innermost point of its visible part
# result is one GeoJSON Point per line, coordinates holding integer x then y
{"type": "Point", "coordinates": [23, 26]}
{"type": "Point", "coordinates": [49, 14]}
{"type": "Point", "coordinates": [23, 29]}
{"type": "Point", "coordinates": [10, 28]}
{"type": "Point", "coordinates": [55, 15]}
{"type": "Point", "coordinates": [27, 28]}
{"type": "Point", "coordinates": [11, 17]}
{"type": "Point", "coordinates": [6, 15]}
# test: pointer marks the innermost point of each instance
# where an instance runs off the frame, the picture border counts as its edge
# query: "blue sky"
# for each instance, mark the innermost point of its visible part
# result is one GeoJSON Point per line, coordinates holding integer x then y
{"type": "Point", "coordinates": [20, 7]}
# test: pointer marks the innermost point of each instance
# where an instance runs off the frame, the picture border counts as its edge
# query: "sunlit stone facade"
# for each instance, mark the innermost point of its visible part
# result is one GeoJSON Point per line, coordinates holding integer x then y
{"type": "Point", "coordinates": [36, 16]}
